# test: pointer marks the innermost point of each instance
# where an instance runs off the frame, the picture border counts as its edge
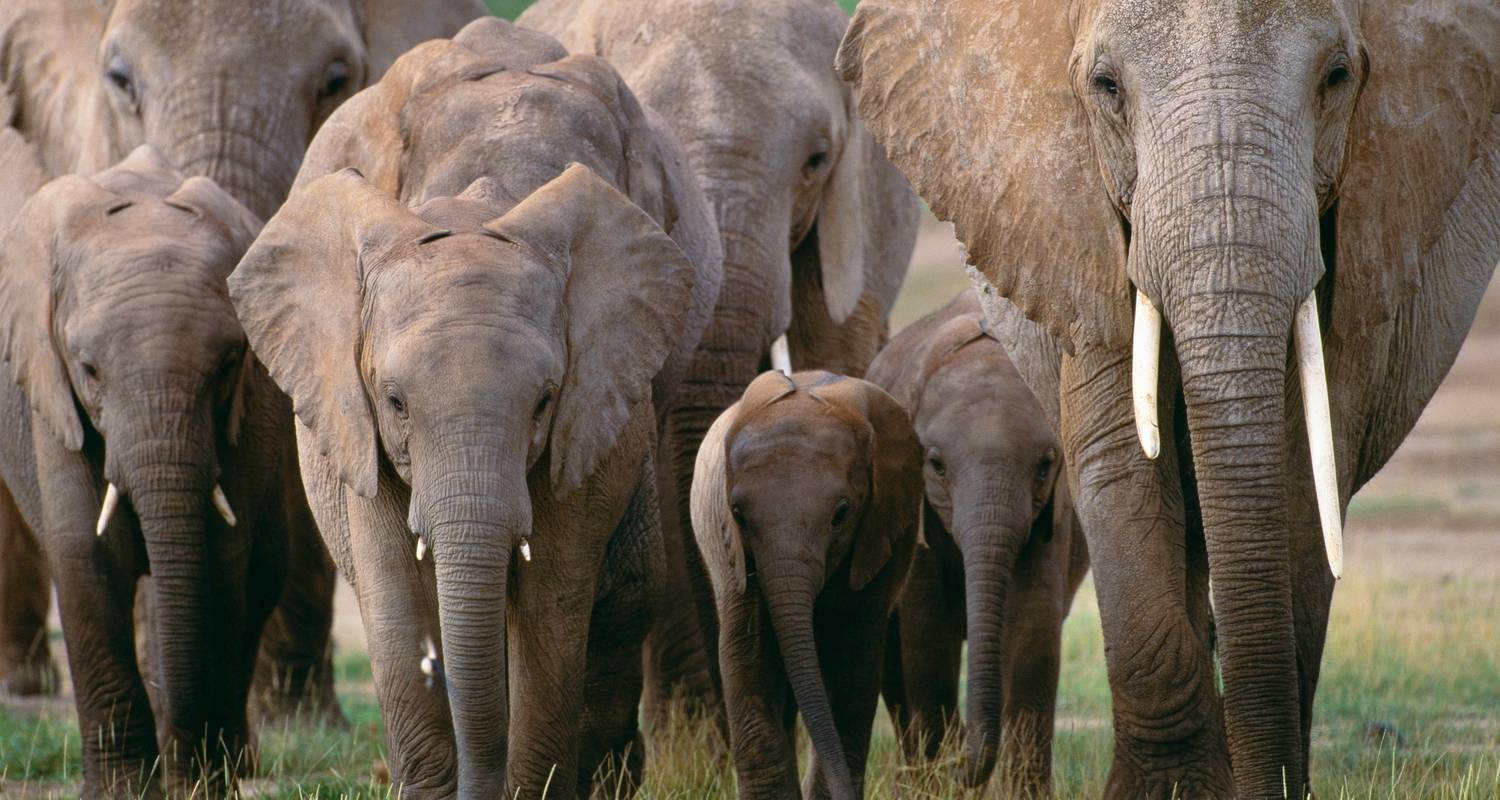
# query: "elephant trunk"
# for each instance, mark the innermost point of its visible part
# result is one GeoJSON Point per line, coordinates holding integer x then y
{"type": "Point", "coordinates": [791, 588]}
{"type": "Point", "coordinates": [990, 533]}
{"type": "Point", "coordinates": [476, 519]}
{"type": "Point", "coordinates": [1231, 248]}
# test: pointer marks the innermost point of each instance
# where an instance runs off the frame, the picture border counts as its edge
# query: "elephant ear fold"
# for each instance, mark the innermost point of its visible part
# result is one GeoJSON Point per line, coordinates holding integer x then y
{"type": "Point", "coordinates": [972, 101]}
{"type": "Point", "coordinates": [392, 27]}
{"type": "Point", "coordinates": [713, 521]}
{"type": "Point", "coordinates": [212, 205]}
{"type": "Point", "coordinates": [843, 224]}
{"type": "Point", "coordinates": [31, 253]}
{"type": "Point", "coordinates": [629, 288]}
{"type": "Point", "coordinates": [298, 293]}
{"type": "Point", "coordinates": [1420, 163]}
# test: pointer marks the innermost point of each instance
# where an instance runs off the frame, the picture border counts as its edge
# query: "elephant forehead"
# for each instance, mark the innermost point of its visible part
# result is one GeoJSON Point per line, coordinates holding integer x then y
{"type": "Point", "coordinates": [793, 436]}
{"type": "Point", "coordinates": [464, 276]}
{"type": "Point", "coordinates": [1174, 36]}
{"type": "Point", "coordinates": [153, 244]}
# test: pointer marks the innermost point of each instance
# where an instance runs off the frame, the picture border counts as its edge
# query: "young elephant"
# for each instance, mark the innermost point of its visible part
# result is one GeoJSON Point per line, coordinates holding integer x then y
{"type": "Point", "coordinates": [1004, 558]}
{"type": "Point", "coordinates": [804, 504]}
{"type": "Point", "coordinates": [150, 442]}
{"type": "Point", "coordinates": [472, 379]}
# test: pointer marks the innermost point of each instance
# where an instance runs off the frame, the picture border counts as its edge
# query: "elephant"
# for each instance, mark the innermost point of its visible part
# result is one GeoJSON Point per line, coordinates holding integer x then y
{"type": "Point", "coordinates": [817, 227]}
{"type": "Point", "coordinates": [805, 506]}
{"type": "Point", "coordinates": [1233, 246]}
{"type": "Point", "coordinates": [150, 443]}
{"type": "Point", "coordinates": [87, 81]}
{"type": "Point", "coordinates": [474, 335]}
{"type": "Point", "coordinates": [1004, 553]}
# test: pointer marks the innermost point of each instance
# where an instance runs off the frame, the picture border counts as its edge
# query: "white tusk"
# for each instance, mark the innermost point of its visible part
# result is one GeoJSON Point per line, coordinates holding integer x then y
{"type": "Point", "coordinates": [525, 549]}
{"type": "Point", "coordinates": [430, 662]}
{"type": "Point", "coordinates": [1145, 357]}
{"type": "Point", "coordinates": [1308, 339]}
{"type": "Point", "coordinates": [781, 355]}
{"type": "Point", "coordinates": [222, 504]}
{"type": "Point", "coordinates": [111, 500]}
{"type": "Point", "coordinates": [421, 548]}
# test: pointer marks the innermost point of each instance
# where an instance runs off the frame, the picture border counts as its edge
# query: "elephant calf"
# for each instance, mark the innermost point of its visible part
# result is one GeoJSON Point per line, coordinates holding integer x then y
{"type": "Point", "coordinates": [1004, 557]}
{"type": "Point", "coordinates": [144, 438]}
{"type": "Point", "coordinates": [805, 501]}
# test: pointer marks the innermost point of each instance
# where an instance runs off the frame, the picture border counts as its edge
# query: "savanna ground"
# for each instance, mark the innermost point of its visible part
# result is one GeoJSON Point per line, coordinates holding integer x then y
{"type": "Point", "coordinates": [1408, 707]}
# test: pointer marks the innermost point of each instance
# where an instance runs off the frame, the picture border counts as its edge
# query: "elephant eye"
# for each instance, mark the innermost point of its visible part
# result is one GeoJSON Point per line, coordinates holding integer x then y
{"type": "Point", "coordinates": [935, 462]}
{"type": "Point", "coordinates": [816, 161]}
{"type": "Point", "coordinates": [396, 401]}
{"type": "Point", "coordinates": [89, 370]}
{"type": "Point", "coordinates": [118, 73]}
{"type": "Point", "coordinates": [335, 80]}
{"type": "Point", "coordinates": [738, 515]}
{"type": "Point", "coordinates": [840, 512]}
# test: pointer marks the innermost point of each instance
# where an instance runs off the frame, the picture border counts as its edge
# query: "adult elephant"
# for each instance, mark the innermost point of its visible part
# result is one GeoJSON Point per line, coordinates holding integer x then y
{"type": "Point", "coordinates": [1308, 196]}
{"type": "Point", "coordinates": [85, 82]}
{"type": "Point", "coordinates": [817, 226]}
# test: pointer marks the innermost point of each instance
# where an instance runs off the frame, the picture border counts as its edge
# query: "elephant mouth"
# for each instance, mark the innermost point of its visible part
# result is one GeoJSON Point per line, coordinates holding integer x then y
{"type": "Point", "coordinates": [1307, 340]}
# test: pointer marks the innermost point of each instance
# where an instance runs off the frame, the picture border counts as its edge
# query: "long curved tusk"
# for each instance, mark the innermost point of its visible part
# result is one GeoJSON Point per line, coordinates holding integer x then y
{"type": "Point", "coordinates": [222, 504]}
{"type": "Point", "coordinates": [1145, 358]}
{"type": "Point", "coordinates": [781, 355]}
{"type": "Point", "coordinates": [111, 501]}
{"type": "Point", "coordinates": [1308, 339]}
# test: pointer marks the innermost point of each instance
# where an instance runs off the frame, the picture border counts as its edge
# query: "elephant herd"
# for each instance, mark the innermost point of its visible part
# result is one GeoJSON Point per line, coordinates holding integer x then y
{"type": "Point", "coordinates": [498, 322]}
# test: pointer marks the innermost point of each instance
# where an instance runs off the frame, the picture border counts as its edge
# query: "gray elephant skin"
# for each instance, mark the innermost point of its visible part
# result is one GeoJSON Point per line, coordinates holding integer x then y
{"type": "Point", "coordinates": [805, 508]}
{"type": "Point", "coordinates": [1004, 553]}
{"type": "Point", "coordinates": [817, 226]}
{"type": "Point", "coordinates": [84, 82]}
{"type": "Point", "coordinates": [127, 368]}
{"type": "Point", "coordinates": [1305, 198]}
{"type": "Point", "coordinates": [473, 333]}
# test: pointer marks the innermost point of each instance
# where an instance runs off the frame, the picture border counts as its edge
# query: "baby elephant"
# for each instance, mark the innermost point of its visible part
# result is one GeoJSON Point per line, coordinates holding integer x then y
{"type": "Point", "coordinates": [144, 438]}
{"type": "Point", "coordinates": [805, 505]}
{"type": "Point", "coordinates": [1005, 552]}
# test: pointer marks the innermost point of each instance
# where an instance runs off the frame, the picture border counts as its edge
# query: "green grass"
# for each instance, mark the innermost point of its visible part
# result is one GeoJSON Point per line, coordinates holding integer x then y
{"type": "Point", "coordinates": [1417, 658]}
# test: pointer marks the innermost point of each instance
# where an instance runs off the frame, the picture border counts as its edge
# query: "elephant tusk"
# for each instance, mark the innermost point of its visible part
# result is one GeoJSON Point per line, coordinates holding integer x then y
{"type": "Point", "coordinates": [1308, 339]}
{"type": "Point", "coordinates": [525, 550]}
{"type": "Point", "coordinates": [222, 504]}
{"type": "Point", "coordinates": [781, 355]}
{"type": "Point", "coordinates": [111, 500]}
{"type": "Point", "coordinates": [1145, 360]}
{"type": "Point", "coordinates": [421, 548]}
{"type": "Point", "coordinates": [430, 664]}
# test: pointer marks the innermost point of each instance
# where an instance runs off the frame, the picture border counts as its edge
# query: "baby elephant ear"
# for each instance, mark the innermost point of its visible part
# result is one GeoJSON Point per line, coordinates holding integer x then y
{"type": "Point", "coordinates": [206, 199]}
{"type": "Point", "coordinates": [713, 522]}
{"type": "Point", "coordinates": [29, 259]}
{"type": "Point", "coordinates": [628, 293]}
{"type": "Point", "coordinates": [894, 510]}
{"type": "Point", "coordinates": [298, 294]}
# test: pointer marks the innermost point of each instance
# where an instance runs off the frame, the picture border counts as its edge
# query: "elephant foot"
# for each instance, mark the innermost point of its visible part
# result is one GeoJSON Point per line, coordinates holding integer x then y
{"type": "Point", "coordinates": [1175, 784]}
{"type": "Point", "coordinates": [31, 679]}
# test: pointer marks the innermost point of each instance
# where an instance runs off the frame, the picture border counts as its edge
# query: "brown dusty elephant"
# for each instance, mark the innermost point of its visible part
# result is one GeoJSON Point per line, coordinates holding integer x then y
{"type": "Point", "coordinates": [1305, 199]}
{"type": "Point", "coordinates": [805, 507]}
{"type": "Point", "coordinates": [150, 442]}
{"type": "Point", "coordinates": [87, 81]}
{"type": "Point", "coordinates": [482, 372]}
{"type": "Point", "coordinates": [817, 226]}
{"type": "Point", "coordinates": [1004, 552]}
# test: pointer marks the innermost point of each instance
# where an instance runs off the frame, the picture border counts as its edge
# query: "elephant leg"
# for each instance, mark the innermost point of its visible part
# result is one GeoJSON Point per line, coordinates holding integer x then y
{"type": "Point", "coordinates": [1169, 735]}
{"type": "Point", "coordinates": [851, 647]}
{"type": "Point", "coordinates": [265, 580]}
{"type": "Point", "coordinates": [26, 666]}
{"type": "Point", "coordinates": [931, 644]}
{"type": "Point", "coordinates": [1312, 598]}
{"type": "Point", "coordinates": [757, 695]}
{"type": "Point", "coordinates": [612, 754]}
{"type": "Point", "coordinates": [294, 672]}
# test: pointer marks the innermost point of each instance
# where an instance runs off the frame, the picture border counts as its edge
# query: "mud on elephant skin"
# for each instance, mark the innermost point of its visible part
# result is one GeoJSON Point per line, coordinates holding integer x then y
{"type": "Point", "coordinates": [817, 226]}
{"type": "Point", "coordinates": [151, 443]}
{"type": "Point", "coordinates": [1235, 247]}
{"type": "Point", "coordinates": [84, 82]}
{"type": "Point", "coordinates": [1004, 556]}
{"type": "Point", "coordinates": [805, 508]}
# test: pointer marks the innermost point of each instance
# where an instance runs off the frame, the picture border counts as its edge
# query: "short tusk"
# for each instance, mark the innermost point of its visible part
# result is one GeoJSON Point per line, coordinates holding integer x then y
{"type": "Point", "coordinates": [1308, 339]}
{"type": "Point", "coordinates": [781, 355]}
{"type": "Point", "coordinates": [525, 549]}
{"type": "Point", "coordinates": [111, 501]}
{"type": "Point", "coordinates": [222, 504]}
{"type": "Point", "coordinates": [430, 664]}
{"type": "Point", "coordinates": [421, 548]}
{"type": "Point", "coordinates": [1145, 353]}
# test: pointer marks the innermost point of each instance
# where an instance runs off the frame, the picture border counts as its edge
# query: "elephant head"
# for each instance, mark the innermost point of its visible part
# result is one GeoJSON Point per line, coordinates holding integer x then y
{"type": "Point", "coordinates": [227, 89]}
{"type": "Point", "coordinates": [992, 477]}
{"type": "Point", "coordinates": [809, 478]}
{"type": "Point", "coordinates": [1255, 176]}
{"type": "Point", "coordinates": [118, 328]}
{"type": "Point", "coordinates": [478, 355]}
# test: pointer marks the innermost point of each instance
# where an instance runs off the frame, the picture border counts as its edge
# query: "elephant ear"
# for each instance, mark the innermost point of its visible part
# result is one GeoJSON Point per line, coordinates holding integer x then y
{"type": "Point", "coordinates": [1425, 130]}
{"type": "Point", "coordinates": [298, 292]}
{"type": "Point", "coordinates": [21, 173]}
{"type": "Point", "coordinates": [844, 224]}
{"type": "Point", "coordinates": [392, 27]}
{"type": "Point", "coordinates": [212, 205]}
{"type": "Point", "coordinates": [713, 522]}
{"type": "Point", "coordinates": [628, 292]}
{"type": "Point", "coordinates": [31, 254]}
{"type": "Point", "coordinates": [972, 102]}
